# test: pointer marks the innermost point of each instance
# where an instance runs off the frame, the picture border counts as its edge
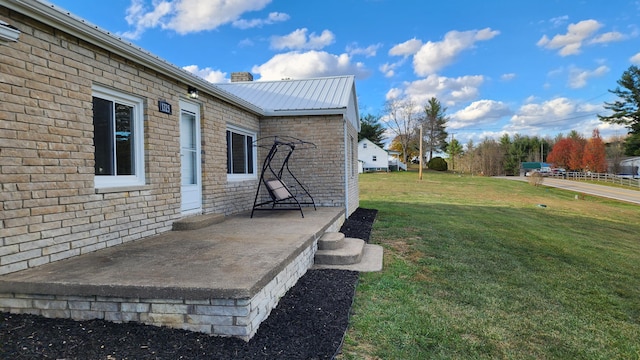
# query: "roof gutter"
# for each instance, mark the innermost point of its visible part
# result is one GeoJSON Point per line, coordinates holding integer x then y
{"type": "Point", "coordinates": [63, 20]}
{"type": "Point", "coordinates": [336, 111]}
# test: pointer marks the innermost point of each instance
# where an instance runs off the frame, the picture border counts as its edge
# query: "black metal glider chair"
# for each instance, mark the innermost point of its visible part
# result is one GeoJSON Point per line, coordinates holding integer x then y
{"type": "Point", "coordinates": [281, 196]}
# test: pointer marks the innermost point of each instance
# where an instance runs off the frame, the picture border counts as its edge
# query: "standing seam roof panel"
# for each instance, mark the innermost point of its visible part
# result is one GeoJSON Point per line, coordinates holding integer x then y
{"type": "Point", "coordinates": [295, 95]}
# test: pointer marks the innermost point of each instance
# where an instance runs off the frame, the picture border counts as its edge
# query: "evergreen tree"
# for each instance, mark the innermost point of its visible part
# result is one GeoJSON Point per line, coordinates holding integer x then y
{"type": "Point", "coordinates": [626, 109]}
{"type": "Point", "coordinates": [370, 128]}
{"type": "Point", "coordinates": [454, 149]}
{"type": "Point", "coordinates": [434, 127]}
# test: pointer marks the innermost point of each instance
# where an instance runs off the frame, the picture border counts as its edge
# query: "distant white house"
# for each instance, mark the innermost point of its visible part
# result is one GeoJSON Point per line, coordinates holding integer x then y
{"type": "Point", "coordinates": [374, 158]}
{"type": "Point", "coordinates": [395, 164]}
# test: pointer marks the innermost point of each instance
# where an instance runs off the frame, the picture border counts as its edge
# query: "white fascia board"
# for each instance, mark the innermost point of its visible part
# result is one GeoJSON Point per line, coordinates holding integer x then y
{"type": "Point", "coordinates": [65, 21]}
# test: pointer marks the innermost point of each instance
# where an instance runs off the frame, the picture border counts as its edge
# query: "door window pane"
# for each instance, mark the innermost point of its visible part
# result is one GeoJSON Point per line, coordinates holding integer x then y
{"type": "Point", "coordinates": [188, 154]}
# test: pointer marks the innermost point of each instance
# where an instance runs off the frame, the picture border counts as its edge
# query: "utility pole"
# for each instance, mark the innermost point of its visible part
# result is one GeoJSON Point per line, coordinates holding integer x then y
{"type": "Point", "coordinates": [421, 157]}
{"type": "Point", "coordinates": [453, 161]}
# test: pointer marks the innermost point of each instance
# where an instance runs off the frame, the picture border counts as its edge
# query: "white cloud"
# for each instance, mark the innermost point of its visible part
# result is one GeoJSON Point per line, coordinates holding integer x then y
{"type": "Point", "coordinates": [389, 70]}
{"type": "Point", "coordinates": [214, 76]}
{"type": "Point", "coordinates": [578, 77]}
{"type": "Point", "coordinates": [142, 19]}
{"type": "Point", "coordinates": [507, 77]}
{"type": "Point", "coordinates": [558, 115]}
{"type": "Point", "coordinates": [298, 40]}
{"type": "Point", "coordinates": [369, 51]}
{"type": "Point", "coordinates": [406, 48]}
{"type": "Point", "coordinates": [450, 91]}
{"type": "Point", "coordinates": [607, 38]}
{"type": "Point", "coordinates": [635, 59]}
{"type": "Point", "coordinates": [558, 21]}
{"type": "Point", "coordinates": [273, 18]}
{"type": "Point", "coordinates": [571, 42]}
{"type": "Point", "coordinates": [479, 112]}
{"type": "Point", "coordinates": [186, 16]}
{"type": "Point", "coordinates": [393, 93]}
{"type": "Point", "coordinates": [434, 56]}
{"type": "Point", "coordinates": [297, 65]}
{"type": "Point", "coordinates": [532, 114]}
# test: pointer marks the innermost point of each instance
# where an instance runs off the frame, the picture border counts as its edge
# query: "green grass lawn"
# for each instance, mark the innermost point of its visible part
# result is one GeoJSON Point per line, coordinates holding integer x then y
{"type": "Point", "coordinates": [475, 268]}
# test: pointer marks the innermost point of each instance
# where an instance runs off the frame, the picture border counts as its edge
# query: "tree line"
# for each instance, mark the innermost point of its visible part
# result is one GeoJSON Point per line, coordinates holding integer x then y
{"type": "Point", "coordinates": [406, 121]}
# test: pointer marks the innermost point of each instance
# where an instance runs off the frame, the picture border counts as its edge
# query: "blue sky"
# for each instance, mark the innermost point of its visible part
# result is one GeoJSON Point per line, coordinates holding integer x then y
{"type": "Point", "coordinates": [533, 67]}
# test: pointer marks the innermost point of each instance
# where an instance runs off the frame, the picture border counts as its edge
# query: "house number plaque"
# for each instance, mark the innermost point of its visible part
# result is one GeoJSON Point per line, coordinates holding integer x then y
{"type": "Point", "coordinates": [164, 107]}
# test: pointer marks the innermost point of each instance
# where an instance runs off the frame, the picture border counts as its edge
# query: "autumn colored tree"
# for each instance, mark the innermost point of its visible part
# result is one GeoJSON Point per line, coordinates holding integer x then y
{"type": "Point", "coordinates": [560, 155]}
{"type": "Point", "coordinates": [410, 147]}
{"type": "Point", "coordinates": [575, 159]}
{"type": "Point", "coordinates": [594, 154]}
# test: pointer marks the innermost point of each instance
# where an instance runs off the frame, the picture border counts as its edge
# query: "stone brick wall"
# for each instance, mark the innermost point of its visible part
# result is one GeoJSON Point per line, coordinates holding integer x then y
{"type": "Point", "coordinates": [321, 169]}
{"type": "Point", "coordinates": [50, 208]}
{"type": "Point", "coordinates": [217, 316]}
{"type": "Point", "coordinates": [225, 317]}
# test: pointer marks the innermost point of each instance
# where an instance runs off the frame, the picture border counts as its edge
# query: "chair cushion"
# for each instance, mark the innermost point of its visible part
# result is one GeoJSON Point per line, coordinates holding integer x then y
{"type": "Point", "coordinates": [278, 189]}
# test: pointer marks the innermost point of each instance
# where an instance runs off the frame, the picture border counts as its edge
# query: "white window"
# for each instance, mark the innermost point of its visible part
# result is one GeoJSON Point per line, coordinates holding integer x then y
{"type": "Point", "coordinates": [241, 154]}
{"type": "Point", "coordinates": [364, 145]}
{"type": "Point", "coordinates": [375, 158]}
{"type": "Point", "coordinates": [118, 136]}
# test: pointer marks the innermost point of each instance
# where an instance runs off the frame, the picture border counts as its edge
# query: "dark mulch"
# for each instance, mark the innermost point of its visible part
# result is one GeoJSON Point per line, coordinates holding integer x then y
{"type": "Point", "coordinates": [309, 323]}
{"type": "Point", "coordinates": [359, 224]}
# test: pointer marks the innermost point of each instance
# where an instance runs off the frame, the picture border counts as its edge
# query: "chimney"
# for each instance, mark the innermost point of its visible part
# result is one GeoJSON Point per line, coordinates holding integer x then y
{"type": "Point", "coordinates": [241, 76]}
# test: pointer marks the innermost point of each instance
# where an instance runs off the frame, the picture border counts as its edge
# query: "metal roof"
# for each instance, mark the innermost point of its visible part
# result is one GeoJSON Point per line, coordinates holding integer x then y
{"type": "Point", "coordinates": [330, 95]}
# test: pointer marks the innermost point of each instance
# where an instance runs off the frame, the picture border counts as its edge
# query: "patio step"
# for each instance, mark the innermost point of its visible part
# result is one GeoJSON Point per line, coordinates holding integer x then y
{"type": "Point", "coordinates": [331, 241]}
{"type": "Point", "coordinates": [197, 222]}
{"type": "Point", "coordinates": [350, 252]}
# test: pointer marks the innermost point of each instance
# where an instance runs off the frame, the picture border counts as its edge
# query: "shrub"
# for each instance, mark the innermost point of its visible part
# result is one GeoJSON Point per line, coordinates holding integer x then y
{"type": "Point", "coordinates": [536, 178]}
{"type": "Point", "coordinates": [438, 164]}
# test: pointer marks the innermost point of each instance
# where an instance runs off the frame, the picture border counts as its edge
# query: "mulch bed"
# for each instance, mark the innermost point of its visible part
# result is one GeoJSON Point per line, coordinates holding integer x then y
{"type": "Point", "coordinates": [309, 323]}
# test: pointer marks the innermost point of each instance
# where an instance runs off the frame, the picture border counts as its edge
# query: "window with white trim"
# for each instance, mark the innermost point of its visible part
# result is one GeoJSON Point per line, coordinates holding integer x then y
{"type": "Point", "coordinates": [374, 158]}
{"type": "Point", "coordinates": [118, 137]}
{"type": "Point", "coordinates": [241, 154]}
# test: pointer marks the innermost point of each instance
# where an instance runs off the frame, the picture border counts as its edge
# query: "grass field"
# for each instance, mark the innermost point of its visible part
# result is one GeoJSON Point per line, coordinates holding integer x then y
{"type": "Point", "coordinates": [483, 268]}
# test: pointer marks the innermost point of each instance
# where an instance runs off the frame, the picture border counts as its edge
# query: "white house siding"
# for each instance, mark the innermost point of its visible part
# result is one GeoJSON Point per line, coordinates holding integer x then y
{"type": "Point", "coordinates": [367, 151]}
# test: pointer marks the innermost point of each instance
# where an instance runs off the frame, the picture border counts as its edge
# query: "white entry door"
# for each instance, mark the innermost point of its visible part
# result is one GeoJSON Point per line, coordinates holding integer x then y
{"type": "Point", "coordinates": [190, 158]}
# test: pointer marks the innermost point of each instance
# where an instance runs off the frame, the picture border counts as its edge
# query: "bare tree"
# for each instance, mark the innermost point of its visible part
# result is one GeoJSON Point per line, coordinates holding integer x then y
{"type": "Point", "coordinates": [615, 153]}
{"type": "Point", "coordinates": [490, 157]}
{"type": "Point", "coordinates": [400, 120]}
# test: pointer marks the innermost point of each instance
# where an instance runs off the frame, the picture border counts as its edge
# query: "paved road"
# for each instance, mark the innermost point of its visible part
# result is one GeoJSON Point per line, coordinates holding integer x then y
{"type": "Point", "coordinates": [611, 192]}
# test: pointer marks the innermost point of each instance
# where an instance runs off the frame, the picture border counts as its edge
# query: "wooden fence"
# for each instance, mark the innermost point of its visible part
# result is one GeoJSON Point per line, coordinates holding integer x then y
{"type": "Point", "coordinates": [604, 177]}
